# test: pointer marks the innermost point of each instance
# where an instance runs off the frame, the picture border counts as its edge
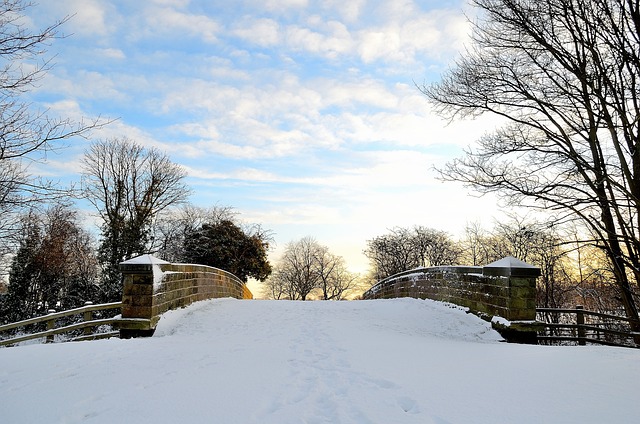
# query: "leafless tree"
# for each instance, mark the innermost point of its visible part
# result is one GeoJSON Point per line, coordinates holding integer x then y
{"type": "Point", "coordinates": [476, 246]}
{"type": "Point", "coordinates": [335, 280]}
{"type": "Point", "coordinates": [173, 224]}
{"type": "Point", "coordinates": [297, 268]}
{"type": "Point", "coordinates": [433, 247]}
{"type": "Point", "coordinates": [391, 253]}
{"type": "Point", "coordinates": [564, 75]}
{"type": "Point", "coordinates": [128, 185]}
{"type": "Point", "coordinates": [407, 248]}
{"type": "Point", "coordinates": [26, 133]}
{"type": "Point", "coordinates": [306, 268]}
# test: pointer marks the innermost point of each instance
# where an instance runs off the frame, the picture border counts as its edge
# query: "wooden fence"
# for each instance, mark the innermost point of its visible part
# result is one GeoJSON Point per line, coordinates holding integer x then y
{"type": "Point", "coordinates": [88, 321]}
{"type": "Point", "coordinates": [580, 326]}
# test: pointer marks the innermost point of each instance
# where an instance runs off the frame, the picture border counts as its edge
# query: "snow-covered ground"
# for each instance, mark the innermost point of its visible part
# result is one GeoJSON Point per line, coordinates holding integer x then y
{"type": "Point", "coordinates": [383, 361]}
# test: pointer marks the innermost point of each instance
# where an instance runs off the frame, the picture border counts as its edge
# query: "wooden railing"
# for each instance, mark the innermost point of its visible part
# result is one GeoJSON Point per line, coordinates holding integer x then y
{"type": "Point", "coordinates": [582, 326]}
{"type": "Point", "coordinates": [87, 325]}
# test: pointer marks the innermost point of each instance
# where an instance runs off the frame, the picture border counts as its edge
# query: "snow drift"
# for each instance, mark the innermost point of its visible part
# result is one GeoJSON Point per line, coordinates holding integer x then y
{"type": "Point", "coordinates": [382, 361]}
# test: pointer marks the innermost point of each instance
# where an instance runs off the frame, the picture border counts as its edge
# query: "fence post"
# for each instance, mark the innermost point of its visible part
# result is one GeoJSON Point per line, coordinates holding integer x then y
{"type": "Point", "coordinates": [87, 316]}
{"type": "Point", "coordinates": [50, 325]}
{"type": "Point", "coordinates": [582, 333]}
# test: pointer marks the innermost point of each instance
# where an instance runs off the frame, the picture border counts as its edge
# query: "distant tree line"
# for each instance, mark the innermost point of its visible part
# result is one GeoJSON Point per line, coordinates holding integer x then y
{"type": "Point", "coordinates": [140, 196]}
{"type": "Point", "coordinates": [572, 272]}
{"type": "Point", "coordinates": [407, 248]}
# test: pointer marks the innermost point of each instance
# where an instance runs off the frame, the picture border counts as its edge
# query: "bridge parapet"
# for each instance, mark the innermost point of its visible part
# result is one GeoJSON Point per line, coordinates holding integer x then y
{"type": "Point", "coordinates": [152, 286]}
{"type": "Point", "coordinates": [505, 288]}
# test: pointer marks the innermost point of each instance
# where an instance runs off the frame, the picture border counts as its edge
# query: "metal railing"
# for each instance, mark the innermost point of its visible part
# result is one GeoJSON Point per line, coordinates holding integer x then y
{"type": "Point", "coordinates": [580, 326]}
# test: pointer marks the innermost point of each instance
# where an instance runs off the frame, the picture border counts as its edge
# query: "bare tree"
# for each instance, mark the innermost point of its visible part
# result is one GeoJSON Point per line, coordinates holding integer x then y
{"type": "Point", "coordinates": [169, 231]}
{"type": "Point", "coordinates": [407, 248]}
{"type": "Point", "coordinates": [26, 134]}
{"type": "Point", "coordinates": [475, 246]}
{"type": "Point", "coordinates": [297, 269]}
{"type": "Point", "coordinates": [335, 280]}
{"type": "Point", "coordinates": [391, 253]}
{"type": "Point", "coordinates": [306, 268]}
{"type": "Point", "coordinates": [276, 287]}
{"type": "Point", "coordinates": [433, 247]}
{"type": "Point", "coordinates": [128, 185]}
{"type": "Point", "coordinates": [564, 74]}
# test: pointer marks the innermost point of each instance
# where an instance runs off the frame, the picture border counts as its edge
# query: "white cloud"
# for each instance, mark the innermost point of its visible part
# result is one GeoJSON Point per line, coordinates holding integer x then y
{"type": "Point", "coordinates": [90, 17]}
{"type": "Point", "coordinates": [85, 85]}
{"type": "Point", "coordinates": [242, 174]}
{"type": "Point", "coordinates": [376, 44]}
{"type": "Point", "coordinates": [67, 108]}
{"type": "Point", "coordinates": [111, 53]}
{"type": "Point", "coordinates": [260, 31]}
{"type": "Point", "coordinates": [436, 34]}
{"type": "Point", "coordinates": [356, 93]}
{"type": "Point", "coordinates": [402, 34]}
{"type": "Point", "coordinates": [286, 117]}
{"type": "Point", "coordinates": [173, 3]}
{"type": "Point", "coordinates": [281, 6]}
{"type": "Point", "coordinates": [331, 39]}
{"type": "Point", "coordinates": [167, 20]}
{"type": "Point", "coordinates": [350, 10]}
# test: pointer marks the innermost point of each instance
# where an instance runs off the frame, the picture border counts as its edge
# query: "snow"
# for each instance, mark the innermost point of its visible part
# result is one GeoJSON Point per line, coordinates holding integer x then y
{"type": "Point", "coordinates": [500, 321]}
{"type": "Point", "coordinates": [379, 361]}
{"type": "Point", "coordinates": [144, 260]}
{"type": "Point", "coordinates": [509, 262]}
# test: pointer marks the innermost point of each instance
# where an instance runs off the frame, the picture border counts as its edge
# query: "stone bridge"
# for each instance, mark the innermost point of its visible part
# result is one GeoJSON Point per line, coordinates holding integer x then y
{"type": "Point", "coordinates": [503, 292]}
{"type": "Point", "coordinates": [152, 286]}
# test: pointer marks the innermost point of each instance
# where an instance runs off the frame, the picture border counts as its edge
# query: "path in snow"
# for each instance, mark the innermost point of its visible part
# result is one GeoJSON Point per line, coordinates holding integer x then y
{"type": "Point", "coordinates": [385, 361]}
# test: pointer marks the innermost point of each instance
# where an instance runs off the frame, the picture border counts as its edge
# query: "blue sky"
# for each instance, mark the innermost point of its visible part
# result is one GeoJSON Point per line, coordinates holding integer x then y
{"type": "Point", "coordinates": [302, 115]}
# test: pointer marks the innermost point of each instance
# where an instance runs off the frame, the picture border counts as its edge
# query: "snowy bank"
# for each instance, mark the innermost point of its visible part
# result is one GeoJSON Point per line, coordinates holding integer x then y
{"type": "Point", "coordinates": [382, 361]}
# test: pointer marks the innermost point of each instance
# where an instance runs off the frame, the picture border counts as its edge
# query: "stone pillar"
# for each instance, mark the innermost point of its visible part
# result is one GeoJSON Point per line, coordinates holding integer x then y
{"type": "Point", "coordinates": [139, 275]}
{"type": "Point", "coordinates": [521, 303]}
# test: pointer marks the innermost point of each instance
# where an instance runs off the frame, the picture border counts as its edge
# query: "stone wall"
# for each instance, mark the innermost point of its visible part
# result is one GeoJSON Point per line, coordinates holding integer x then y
{"type": "Point", "coordinates": [505, 288]}
{"type": "Point", "coordinates": [152, 286]}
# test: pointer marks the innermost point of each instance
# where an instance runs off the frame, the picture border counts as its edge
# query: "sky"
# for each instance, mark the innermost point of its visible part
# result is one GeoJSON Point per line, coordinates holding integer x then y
{"type": "Point", "coordinates": [302, 115]}
{"type": "Point", "coordinates": [275, 362]}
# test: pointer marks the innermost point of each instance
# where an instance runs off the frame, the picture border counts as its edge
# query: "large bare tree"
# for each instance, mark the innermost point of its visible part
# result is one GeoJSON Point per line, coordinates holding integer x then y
{"type": "Point", "coordinates": [565, 77]}
{"type": "Point", "coordinates": [128, 185]}
{"type": "Point", "coordinates": [26, 133]}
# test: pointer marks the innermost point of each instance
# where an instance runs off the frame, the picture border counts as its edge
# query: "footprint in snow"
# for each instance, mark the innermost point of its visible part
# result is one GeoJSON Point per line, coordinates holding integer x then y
{"type": "Point", "coordinates": [408, 405]}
